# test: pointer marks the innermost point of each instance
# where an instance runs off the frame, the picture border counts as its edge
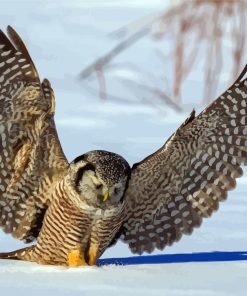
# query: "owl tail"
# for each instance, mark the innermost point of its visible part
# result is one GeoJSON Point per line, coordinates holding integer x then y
{"type": "Point", "coordinates": [21, 254]}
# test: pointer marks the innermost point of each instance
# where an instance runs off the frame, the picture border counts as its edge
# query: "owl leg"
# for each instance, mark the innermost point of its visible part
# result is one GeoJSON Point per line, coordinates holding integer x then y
{"type": "Point", "coordinates": [76, 258]}
{"type": "Point", "coordinates": [93, 253]}
{"type": "Point", "coordinates": [21, 254]}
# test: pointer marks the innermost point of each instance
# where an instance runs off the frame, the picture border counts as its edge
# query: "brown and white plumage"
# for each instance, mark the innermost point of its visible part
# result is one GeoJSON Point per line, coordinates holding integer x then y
{"type": "Point", "coordinates": [77, 210]}
{"type": "Point", "coordinates": [171, 191]}
{"type": "Point", "coordinates": [30, 154]}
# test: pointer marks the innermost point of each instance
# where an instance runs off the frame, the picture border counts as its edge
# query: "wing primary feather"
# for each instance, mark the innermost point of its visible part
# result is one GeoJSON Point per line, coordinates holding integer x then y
{"type": "Point", "coordinates": [4, 41]}
{"type": "Point", "coordinates": [207, 152]}
{"type": "Point", "coordinates": [17, 41]}
{"type": "Point", "coordinates": [32, 159]}
{"type": "Point", "coordinates": [241, 75]}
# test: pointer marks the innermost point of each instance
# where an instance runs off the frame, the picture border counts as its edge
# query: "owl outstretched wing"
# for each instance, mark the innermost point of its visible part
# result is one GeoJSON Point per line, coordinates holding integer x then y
{"type": "Point", "coordinates": [31, 157]}
{"type": "Point", "coordinates": [172, 190]}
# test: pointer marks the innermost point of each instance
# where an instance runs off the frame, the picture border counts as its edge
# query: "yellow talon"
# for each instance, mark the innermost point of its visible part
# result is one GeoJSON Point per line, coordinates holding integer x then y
{"type": "Point", "coordinates": [75, 259]}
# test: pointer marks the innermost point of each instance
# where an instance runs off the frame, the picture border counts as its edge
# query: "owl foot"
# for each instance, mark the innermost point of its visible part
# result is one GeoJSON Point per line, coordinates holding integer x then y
{"type": "Point", "coordinates": [75, 259]}
{"type": "Point", "coordinates": [93, 254]}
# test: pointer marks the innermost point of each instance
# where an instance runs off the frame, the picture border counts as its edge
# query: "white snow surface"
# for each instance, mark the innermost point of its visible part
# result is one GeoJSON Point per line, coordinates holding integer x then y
{"type": "Point", "coordinates": [63, 37]}
{"type": "Point", "coordinates": [196, 279]}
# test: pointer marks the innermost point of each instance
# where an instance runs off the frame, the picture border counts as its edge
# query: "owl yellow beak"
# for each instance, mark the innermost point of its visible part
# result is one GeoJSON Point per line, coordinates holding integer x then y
{"type": "Point", "coordinates": [106, 196]}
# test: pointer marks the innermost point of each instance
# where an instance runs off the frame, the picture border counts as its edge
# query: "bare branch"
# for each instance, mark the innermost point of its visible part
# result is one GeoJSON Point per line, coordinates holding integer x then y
{"type": "Point", "coordinates": [204, 22]}
{"type": "Point", "coordinates": [104, 60]}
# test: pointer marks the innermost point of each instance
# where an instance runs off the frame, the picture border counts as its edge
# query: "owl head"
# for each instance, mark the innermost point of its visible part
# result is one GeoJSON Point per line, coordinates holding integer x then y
{"type": "Point", "coordinates": [100, 177]}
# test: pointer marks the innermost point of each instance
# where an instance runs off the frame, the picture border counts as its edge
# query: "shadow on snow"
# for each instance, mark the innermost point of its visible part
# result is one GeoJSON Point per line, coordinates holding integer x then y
{"type": "Point", "coordinates": [176, 258]}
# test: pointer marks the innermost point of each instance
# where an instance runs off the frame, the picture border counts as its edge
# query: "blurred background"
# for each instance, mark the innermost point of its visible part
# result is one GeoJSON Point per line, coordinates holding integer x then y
{"type": "Point", "coordinates": [126, 73]}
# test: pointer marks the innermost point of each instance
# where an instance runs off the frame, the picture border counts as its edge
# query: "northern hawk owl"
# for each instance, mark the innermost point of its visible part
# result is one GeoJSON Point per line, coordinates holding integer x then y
{"type": "Point", "coordinates": [75, 211]}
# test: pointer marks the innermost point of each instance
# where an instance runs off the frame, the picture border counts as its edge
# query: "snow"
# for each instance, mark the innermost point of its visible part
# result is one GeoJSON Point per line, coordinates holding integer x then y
{"type": "Point", "coordinates": [174, 279]}
{"type": "Point", "coordinates": [63, 37]}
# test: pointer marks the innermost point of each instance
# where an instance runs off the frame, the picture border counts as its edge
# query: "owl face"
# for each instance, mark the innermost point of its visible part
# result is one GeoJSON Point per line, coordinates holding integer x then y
{"type": "Point", "coordinates": [101, 178]}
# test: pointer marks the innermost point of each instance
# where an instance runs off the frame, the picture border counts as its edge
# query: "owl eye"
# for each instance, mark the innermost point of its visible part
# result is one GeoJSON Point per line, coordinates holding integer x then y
{"type": "Point", "coordinates": [116, 190]}
{"type": "Point", "coordinates": [81, 171]}
{"type": "Point", "coordinates": [99, 186]}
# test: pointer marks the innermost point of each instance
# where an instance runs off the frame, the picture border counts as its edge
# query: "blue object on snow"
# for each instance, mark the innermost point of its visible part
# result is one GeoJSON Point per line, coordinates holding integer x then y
{"type": "Point", "coordinates": [176, 258]}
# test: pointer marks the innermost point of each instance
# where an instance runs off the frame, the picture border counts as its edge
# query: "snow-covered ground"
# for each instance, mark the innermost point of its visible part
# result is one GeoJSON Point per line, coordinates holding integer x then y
{"type": "Point", "coordinates": [212, 279]}
{"type": "Point", "coordinates": [63, 37]}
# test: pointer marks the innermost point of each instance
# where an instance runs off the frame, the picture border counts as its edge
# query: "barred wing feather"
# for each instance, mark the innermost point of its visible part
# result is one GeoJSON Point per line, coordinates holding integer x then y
{"type": "Point", "coordinates": [31, 157]}
{"type": "Point", "coordinates": [171, 191]}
